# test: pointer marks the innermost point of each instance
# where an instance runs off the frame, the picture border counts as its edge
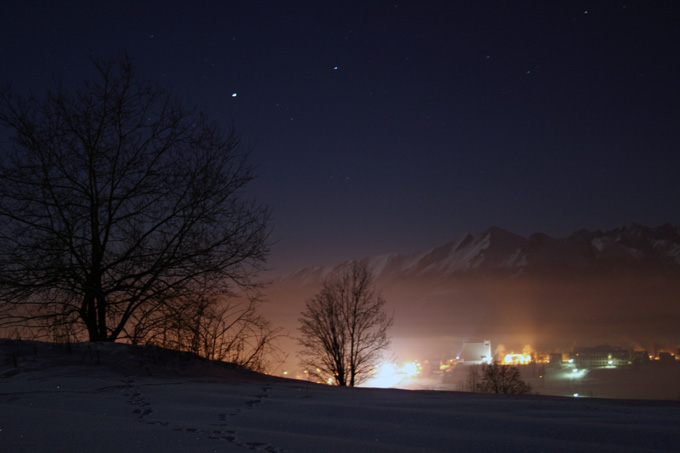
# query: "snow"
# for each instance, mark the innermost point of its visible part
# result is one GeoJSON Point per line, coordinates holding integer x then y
{"type": "Point", "coordinates": [379, 264]}
{"type": "Point", "coordinates": [122, 398]}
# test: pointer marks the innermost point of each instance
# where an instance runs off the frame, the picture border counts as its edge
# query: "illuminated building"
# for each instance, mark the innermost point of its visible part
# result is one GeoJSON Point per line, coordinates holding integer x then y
{"type": "Point", "coordinates": [476, 353]}
{"type": "Point", "coordinates": [601, 357]}
{"type": "Point", "coordinates": [640, 357]}
{"type": "Point", "coordinates": [517, 359]}
{"type": "Point", "coordinates": [555, 360]}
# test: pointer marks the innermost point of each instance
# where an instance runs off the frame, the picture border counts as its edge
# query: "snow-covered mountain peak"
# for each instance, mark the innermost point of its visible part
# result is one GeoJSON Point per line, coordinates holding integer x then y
{"type": "Point", "coordinates": [630, 248]}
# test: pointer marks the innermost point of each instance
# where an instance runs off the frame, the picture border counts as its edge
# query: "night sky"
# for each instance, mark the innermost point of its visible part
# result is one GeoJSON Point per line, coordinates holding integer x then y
{"type": "Point", "coordinates": [398, 126]}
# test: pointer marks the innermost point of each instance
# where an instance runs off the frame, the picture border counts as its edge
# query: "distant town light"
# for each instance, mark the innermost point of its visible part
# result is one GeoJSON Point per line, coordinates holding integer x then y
{"type": "Point", "coordinates": [517, 359]}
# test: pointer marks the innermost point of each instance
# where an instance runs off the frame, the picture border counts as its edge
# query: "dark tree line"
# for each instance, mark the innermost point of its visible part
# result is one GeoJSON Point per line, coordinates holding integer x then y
{"type": "Point", "coordinates": [122, 212]}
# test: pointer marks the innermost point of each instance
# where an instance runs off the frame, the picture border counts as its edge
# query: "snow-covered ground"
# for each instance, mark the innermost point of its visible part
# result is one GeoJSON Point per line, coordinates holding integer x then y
{"type": "Point", "coordinates": [114, 397]}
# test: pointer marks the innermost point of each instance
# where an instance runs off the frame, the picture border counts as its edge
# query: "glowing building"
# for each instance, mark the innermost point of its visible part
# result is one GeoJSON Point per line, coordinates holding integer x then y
{"type": "Point", "coordinates": [476, 353]}
{"type": "Point", "coordinates": [601, 357]}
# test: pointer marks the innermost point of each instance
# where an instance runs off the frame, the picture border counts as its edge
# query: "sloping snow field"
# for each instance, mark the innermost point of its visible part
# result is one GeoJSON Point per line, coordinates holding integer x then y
{"type": "Point", "coordinates": [120, 398]}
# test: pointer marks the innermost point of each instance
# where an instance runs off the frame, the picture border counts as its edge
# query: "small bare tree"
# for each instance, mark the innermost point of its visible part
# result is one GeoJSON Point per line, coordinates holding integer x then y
{"type": "Point", "coordinates": [473, 379]}
{"type": "Point", "coordinates": [497, 378]}
{"type": "Point", "coordinates": [231, 330]}
{"type": "Point", "coordinates": [344, 328]}
{"type": "Point", "coordinates": [117, 205]}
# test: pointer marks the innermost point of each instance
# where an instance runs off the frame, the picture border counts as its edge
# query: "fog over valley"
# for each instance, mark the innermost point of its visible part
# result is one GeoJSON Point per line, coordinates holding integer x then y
{"type": "Point", "coordinates": [618, 287]}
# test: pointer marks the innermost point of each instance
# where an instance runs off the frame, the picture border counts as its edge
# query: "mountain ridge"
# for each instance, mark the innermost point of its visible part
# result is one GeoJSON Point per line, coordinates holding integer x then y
{"type": "Point", "coordinates": [616, 286]}
{"type": "Point", "coordinates": [496, 251]}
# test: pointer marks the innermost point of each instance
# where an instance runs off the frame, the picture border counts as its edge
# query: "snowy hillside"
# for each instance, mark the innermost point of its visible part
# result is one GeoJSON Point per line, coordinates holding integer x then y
{"type": "Point", "coordinates": [114, 398]}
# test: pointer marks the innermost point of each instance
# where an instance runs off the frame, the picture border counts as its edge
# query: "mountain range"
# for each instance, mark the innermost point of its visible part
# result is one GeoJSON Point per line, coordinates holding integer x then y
{"type": "Point", "coordinates": [619, 286]}
{"type": "Point", "coordinates": [495, 252]}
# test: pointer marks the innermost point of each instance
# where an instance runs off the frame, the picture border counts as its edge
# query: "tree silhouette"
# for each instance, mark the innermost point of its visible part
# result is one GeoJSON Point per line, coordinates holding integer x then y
{"type": "Point", "coordinates": [496, 378]}
{"type": "Point", "coordinates": [116, 205]}
{"type": "Point", "coordinates": [344, 328]}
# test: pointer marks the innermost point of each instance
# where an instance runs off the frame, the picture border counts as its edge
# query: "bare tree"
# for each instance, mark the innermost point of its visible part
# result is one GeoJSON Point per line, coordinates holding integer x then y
{"type": "Point", "coordinates": [497, 378]}
{"type": "Point", "coordinates": [344, 328]}
{"type": "Point", "coordinates": [473, 379]}
{"type": "Point", "coordinates": [231, 331]}
{"type": "Point", "coordinates": [117, 204]}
